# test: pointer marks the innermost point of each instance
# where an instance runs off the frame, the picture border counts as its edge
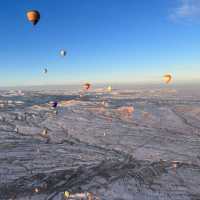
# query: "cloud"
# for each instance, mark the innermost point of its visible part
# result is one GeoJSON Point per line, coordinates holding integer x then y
{"type": "Point", "coordinates": [186, 10]}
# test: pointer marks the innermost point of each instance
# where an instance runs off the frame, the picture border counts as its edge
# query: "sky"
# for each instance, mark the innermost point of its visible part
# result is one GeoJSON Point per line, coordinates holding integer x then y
{"type": "Point", "coordinates": [107, 41]}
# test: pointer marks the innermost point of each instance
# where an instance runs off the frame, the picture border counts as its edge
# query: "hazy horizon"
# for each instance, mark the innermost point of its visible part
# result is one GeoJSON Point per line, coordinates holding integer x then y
{"type": "Point", "coordinates": [103, 85]}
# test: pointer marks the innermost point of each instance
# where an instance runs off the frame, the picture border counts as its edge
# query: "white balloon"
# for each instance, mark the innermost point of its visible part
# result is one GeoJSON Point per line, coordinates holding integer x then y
{"type": "Point", "coordinates": [45, 70]}
{"type": "Point", "coordinates": [63, 52]}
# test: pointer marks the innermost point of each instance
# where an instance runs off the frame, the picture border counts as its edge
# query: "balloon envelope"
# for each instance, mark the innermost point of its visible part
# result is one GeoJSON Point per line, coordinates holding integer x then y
{"type": "Point", "coordinates": [87, 86]}
{"type": "Point", "coordinates": [55, 104]}
{"type": "Point", "coordinates": [63, 52]}
{"type": "Point", "coordinates": [33, 16]}
{"type": "Point", "coordinates": [167, 78]}
{"type": "Point", "coordinates": [109, 88]}
{"type": "Point", "coordinates": [66, 194]}
{"type": "Point", "coordinates": [45, 70]}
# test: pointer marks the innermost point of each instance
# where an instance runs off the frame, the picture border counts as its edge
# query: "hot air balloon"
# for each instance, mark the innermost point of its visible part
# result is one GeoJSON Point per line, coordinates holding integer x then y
{"type": "Point", "coordinates": [45, 71]}
{"type": "Point", "coordinates": [55, 104]}
{"type": "Point", "coordinates": [90, 196]}
{"type": "Point", "coordinates": [44, 132]}
{"type": "Point", "coordinates": [66, 194]}
{"type": "Point", "coordinates": [109, 88]}
{"type": "Point", "coordinates": [167, 78]}
{"type": "Point", "coordinates": [63, 52]}
{"type": "Point", "coordinates": [16, 130]}
{"type": "Point", "coordinates": [87, 86]}
{"type": "Point", "coordinates": [36, 190]}
{"type": "Point", "coordinates": [33, 16]}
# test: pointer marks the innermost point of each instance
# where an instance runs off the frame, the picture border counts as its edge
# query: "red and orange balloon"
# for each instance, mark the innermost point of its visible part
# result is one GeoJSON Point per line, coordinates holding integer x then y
{"type": "Point", "coordinates": [87, 86]}
{"type": "Point", "coordinates": [33, 16]}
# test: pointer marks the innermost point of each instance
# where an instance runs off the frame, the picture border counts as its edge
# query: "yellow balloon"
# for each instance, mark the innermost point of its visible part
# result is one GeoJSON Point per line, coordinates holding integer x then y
{"type": "Point", "coordinates": [109, 88]}
{"type": "Point", "coordinates": [66, 194]}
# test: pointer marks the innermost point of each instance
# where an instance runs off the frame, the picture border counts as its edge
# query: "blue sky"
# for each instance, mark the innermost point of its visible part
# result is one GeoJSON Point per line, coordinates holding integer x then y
{"type": "Point", "coordinates": [107, 41]}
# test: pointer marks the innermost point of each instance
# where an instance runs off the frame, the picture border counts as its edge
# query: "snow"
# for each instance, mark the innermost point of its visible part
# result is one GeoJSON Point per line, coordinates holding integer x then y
{"type": "Point", "coordinates": [92, 145]}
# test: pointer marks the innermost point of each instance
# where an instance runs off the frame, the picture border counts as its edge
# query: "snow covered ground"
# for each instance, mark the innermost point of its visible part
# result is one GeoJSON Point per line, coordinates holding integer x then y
{"type": "Point", "coordinates": [90, 145]}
